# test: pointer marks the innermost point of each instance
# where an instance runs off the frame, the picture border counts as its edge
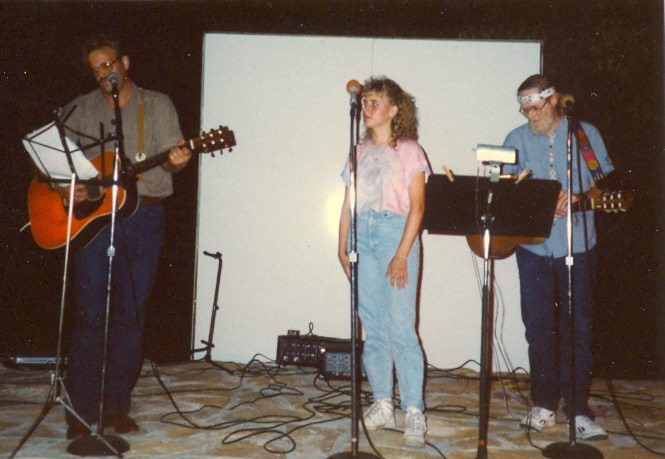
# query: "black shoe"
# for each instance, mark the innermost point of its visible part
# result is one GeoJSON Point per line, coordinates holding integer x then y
{"type": "Point", "coordinates": [77, 429]}
{"type": "Point", "coordinates": [122, 423]}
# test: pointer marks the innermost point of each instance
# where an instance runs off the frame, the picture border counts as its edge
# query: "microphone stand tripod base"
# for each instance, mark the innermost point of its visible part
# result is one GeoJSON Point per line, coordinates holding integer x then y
{"type": "Point", "coordinates": [92, 445]}
{"type": "Point", "coordinates": [350, 455]}
{"type": "Point", "coordinates": [567, 450]}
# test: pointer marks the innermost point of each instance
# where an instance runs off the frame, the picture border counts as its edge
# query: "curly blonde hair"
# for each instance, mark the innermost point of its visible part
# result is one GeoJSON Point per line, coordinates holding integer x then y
{"type": "Point", "coordinates": [404, 124]}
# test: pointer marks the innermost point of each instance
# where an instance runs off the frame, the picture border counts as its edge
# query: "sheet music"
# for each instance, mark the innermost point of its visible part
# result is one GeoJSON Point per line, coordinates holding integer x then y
{"type": "Point", "coordinates": [46, 150]}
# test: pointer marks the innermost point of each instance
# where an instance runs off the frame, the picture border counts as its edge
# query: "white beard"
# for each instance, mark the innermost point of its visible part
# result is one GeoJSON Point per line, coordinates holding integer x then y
{"type": "Point", "coordinates": [543, 127]}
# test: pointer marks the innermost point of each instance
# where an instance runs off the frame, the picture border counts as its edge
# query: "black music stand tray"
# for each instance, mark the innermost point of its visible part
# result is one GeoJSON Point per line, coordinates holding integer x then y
{"type": "Point", "coordinates": [517, 208]}
{"type": "Point", "coordinates": [456, 207]}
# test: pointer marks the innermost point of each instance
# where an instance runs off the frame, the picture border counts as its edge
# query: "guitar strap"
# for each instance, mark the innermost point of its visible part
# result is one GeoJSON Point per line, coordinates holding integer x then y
{"type": "Point", "coordinates": [589, 156]}
{"type": "Point", "coordinates": [140, 148]}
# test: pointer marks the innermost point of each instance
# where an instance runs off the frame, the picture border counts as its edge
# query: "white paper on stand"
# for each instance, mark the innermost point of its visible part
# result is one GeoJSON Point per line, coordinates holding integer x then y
{"type": "Point", "coordinates": [46, 150]}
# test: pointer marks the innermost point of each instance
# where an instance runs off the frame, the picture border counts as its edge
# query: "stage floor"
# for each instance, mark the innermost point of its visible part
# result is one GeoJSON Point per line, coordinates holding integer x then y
{"type": "Point", "coordinates": [259, 410]}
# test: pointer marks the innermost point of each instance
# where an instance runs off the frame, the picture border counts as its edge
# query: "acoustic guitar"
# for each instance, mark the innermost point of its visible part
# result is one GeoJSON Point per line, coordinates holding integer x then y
{"type": "Point", "coordinates": [504, 246]}
{"type": "Point", "coordinates": [49, 213]}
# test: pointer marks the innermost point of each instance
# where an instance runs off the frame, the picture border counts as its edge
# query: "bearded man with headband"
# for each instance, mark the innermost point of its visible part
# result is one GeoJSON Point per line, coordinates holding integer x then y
{"type": "Point", "coordinates": [543, 268]}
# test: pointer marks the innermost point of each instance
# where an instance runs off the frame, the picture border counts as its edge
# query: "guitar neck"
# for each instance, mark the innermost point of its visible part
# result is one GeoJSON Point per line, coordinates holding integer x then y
{"type": "Point", "coordinates": [583, 204]}
{"type": "Point", "coordinates": [158, 159]}
{"type": "Point", "coordinates": [217, 139]}
{"type": "Point", "coordinates": [608, 202]}
{"type": "Point", "coordinates": [149, 163]}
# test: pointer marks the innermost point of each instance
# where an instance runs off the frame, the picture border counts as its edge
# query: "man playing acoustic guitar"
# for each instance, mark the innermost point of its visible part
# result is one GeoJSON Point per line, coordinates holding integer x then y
{"type": "Point", "coordinates": [150, 126]}
{"type": "Point", "coordinates": [543, 268]}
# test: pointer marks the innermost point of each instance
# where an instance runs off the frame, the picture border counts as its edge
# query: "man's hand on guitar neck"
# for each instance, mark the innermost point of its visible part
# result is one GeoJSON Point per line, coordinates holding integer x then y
{"type": "Point", "coordinates": [179, 156]}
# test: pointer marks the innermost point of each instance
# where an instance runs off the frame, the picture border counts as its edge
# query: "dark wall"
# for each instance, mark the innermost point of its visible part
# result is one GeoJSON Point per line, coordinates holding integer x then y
{"type": "Point", "coordinates": [607, 53]}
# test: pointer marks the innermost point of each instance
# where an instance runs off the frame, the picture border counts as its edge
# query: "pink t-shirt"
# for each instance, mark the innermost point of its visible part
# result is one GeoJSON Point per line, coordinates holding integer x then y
{"type": "Point", "coordinates": [384, 175]}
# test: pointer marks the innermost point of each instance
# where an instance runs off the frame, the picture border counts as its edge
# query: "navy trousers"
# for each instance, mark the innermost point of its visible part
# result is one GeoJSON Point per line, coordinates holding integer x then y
{"type": "Point", "coordinates": [138, 241]}
{"type": "Point", "coordinates": [545, 313]}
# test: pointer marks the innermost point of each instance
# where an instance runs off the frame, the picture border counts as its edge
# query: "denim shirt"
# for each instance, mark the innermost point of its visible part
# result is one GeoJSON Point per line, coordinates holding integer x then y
{"type": "Point", "coordinates": [546, 157]}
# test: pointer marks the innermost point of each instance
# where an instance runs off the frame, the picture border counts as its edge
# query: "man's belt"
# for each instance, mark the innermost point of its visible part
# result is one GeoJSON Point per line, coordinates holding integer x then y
{"type": "Point", "coordinates": [147, 200]}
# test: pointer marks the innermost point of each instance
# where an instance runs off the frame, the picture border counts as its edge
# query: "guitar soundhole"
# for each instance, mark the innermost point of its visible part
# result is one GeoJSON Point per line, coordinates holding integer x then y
{"type": "Point", "coordinates": [86, 208]}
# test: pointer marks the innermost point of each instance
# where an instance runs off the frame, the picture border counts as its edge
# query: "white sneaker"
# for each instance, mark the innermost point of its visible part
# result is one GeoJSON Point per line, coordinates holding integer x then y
{"type": "Point", "coordinates": [539, 418]}
{"type": "Point", "coordinates": [416, 426]}
{"type": "Point", "coordinates": [588, 429]}
{"type": "Point", "coordinates": [380, 414]}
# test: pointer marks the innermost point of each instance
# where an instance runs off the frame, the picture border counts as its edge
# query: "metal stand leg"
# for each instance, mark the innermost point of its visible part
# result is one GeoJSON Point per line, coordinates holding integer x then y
{"type": "Point", "coordinates": [215, 307]}
{"type": "Point", "coordinates": [58, 393]}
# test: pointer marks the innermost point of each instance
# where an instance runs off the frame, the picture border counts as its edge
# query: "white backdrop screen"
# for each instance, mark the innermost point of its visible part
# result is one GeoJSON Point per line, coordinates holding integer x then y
{"type": "Point", "coordinates": [271, 206]}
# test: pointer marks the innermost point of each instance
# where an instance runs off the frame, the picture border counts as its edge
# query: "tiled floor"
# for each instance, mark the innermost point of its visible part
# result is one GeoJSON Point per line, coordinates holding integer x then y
{"type": "Point", "coordinates": [223, 410]}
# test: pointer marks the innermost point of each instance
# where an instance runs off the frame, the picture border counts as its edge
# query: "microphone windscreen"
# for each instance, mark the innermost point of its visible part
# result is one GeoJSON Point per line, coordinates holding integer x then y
{"type": "Point", "coordinates": [567, 99]}
{"type": "Point", "coordinates": [112, 78]}
{"type": "Point", "coordinates": [353, 87]}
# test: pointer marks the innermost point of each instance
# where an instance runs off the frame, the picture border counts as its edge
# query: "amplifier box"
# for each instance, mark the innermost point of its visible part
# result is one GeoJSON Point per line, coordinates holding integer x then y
{"type": "Point", "coordinates": [314, 351]}
{"type": "Point", "coordinates": [298, 350]}
{"type": "Point", "coordinates": [336, 361]}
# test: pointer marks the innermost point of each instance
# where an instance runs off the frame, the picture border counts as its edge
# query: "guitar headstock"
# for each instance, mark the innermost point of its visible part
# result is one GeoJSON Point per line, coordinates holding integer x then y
{"type": "Point", "coordinates": [216, 139]}
{"type": "Point", "coordinates": [613, 201]}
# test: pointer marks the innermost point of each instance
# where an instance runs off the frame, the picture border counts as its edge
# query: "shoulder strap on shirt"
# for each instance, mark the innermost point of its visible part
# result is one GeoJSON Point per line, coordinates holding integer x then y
{"type": "Point", "coordinates": [140, 149]}
{"type": "Point", "coordinates": [588, 155]}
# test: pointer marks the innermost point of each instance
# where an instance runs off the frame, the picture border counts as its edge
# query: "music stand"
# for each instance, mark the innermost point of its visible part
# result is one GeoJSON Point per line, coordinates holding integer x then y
{"type": "Point", "coordinates": [60, 161]}
{"type": "Point", "coordinates": [479, 205]}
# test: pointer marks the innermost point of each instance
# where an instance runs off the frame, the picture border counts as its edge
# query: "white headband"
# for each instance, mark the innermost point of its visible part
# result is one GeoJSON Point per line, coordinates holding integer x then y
{"type": "Point", "coordinates": [544, 94]}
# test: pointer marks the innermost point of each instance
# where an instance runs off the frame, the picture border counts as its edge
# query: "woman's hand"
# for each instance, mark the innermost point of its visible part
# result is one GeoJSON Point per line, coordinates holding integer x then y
{"type": "Point", "coordinates": [398, 272]}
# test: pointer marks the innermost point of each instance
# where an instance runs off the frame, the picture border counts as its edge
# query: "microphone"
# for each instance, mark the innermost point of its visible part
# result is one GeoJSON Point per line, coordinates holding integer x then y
{"type": "Point", "coordinates": [112, 78]}
{"type": "Point", "coordinates": [353, 88]}
{"type": "Point", "coordinates": [567, 101]}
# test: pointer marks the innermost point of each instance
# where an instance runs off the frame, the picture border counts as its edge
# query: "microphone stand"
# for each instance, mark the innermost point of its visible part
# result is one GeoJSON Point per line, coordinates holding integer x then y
{"type": "Point", "coordinates": [353, 258]}
{"type": "Point", "coordinates": [571, 449]}
{"type": "Point", "coordinates": [486, 320]}
{"type": "Point", "coordinates": [100, 444]}
{"type": "Point", "coordinates": [58, 391]}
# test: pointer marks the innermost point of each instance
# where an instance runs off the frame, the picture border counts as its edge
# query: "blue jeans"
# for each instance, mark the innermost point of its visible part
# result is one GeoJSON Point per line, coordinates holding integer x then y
{"type": "Point", "coordinates": [388, 315]}
{"type": "Point", "coordinates": [544, 291]}
{"type": "Point", "coordinates": [138, 241]}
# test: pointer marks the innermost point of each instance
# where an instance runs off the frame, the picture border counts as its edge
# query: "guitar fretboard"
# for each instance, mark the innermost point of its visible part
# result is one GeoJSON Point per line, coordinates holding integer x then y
{"type": "Point", "coordinates": [149, 163]}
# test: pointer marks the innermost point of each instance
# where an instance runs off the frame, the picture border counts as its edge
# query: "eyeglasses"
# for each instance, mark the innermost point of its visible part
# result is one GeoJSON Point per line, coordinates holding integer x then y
{"type": "Point", "coordinates": [105, 66]}
{"type": "Point", "coordinates": [533, 110]}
